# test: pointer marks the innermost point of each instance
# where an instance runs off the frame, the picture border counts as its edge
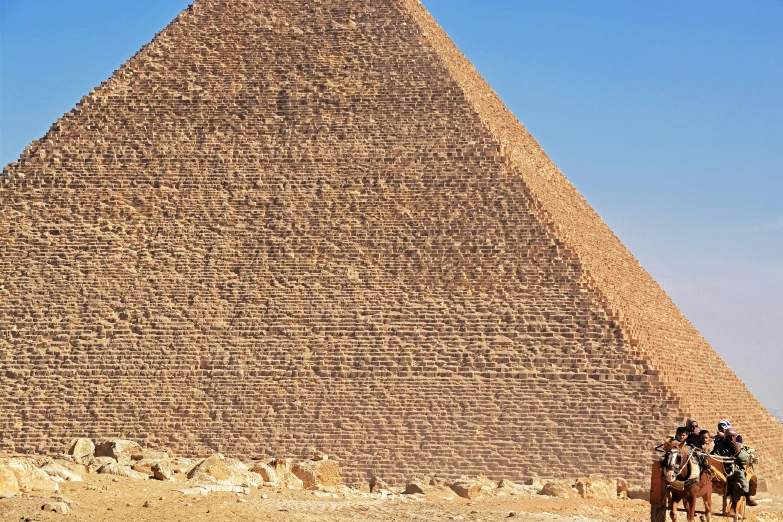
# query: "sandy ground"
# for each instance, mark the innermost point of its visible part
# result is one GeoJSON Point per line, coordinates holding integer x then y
{"type": "Point", "coordinates": [102, 497]}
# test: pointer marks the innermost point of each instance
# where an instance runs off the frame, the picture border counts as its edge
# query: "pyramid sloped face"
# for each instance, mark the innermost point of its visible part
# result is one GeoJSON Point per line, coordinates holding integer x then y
{"type": "Point", "coordinates": [288, 226]}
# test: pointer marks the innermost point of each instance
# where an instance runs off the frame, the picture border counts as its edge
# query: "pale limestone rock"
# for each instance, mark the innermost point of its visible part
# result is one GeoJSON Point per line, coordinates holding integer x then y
{"type": "Point", "coordinates": [29, 477]}
{"type": "Point", "coordinates": [597, 486]}
{"type": "Point", "coordinates": [218, 469]}
{"type": "Point", "coordinates": [120, 450]}
{"type": "Point", "coordinates": [146, 465]}
{"type": "Point", "coordinates": [147, 454]}
{"type": "Point", "coordinates": [285, 476]}
{"type": "Point", "coordinates": [469, 489]}
{"type": "Point", "coordinates": [60, 473]}
{"type": "Point", "coordinates": [163, 470]}
{"type": "Point", "coordinates": [115, 468]}
{"type": "Point", "coordinates": [318, 474]}
{"type": "Point", "coordinates": [378, 484]}
{"type": "Point", "coordinates": [96, 463]}
{"type": "Point", "coordinates": [266, 471]}
{"type": "Point", "coordinates": [559, 488]}
{"type": "Point", "coordinates": [81, 448]}
{"type": "Point", "coordinates": [56, 507]}
{"type": "Point", "coordinates": [9, 486]}
{"type": "Point", "coordinates": [419, 484]}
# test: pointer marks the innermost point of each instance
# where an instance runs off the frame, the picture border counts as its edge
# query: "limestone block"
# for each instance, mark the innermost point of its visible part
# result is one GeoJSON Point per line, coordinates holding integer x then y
{"type": "Point", "coordinates": [9, 486]}
{"type": "Point", "coordinates": [419, 484]}
{"type": "Point", "coordinates": [29, 477]}
{"type": "Point", "coordinates": [146, 465]}
{"type": "Point", "coordinates": [163, 470]}
{"type": "Point", "coordinates": [115, 468]}
{"type": "Point", "coordinates": [218, 469]}
{"type": "Point", "coordinates": [317, 474]}
{"type": "Point", "coordinates": [121, 450]}
{"type": "Point", "coordinates": [285, 475]}
{"type": "Point", "coordinates": [266, 471]}
{"type": "Point", "coordinates": [465, 488]}
{"type": "Point", "coordinates": [597, 486]}
{"type": "Point", "coordinates": [96, 463]}
{"type": "Point", "coordinates": [60, 473]}
{"type": "Point", "coordinates": [81, 448]}
{"type": "Point", "coordinates": [559, 488]}
{"type": "Point", "coordinates": [378, 484]}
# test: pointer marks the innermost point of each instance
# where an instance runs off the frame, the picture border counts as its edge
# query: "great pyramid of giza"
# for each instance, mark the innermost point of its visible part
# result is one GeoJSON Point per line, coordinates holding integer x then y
{"type": "Point", "coordinates": [310, 225]}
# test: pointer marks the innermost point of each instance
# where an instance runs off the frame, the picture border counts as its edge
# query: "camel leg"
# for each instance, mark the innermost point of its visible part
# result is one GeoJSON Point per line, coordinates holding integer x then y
{"type": "Point", "coordinates": [690, 506]}
{"type": "Point", "coordinates": [707, 506]}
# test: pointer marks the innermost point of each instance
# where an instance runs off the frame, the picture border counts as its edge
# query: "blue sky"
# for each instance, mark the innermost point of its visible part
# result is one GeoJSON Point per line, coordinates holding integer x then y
{"type": "Point", "coordinates": [667, 116]}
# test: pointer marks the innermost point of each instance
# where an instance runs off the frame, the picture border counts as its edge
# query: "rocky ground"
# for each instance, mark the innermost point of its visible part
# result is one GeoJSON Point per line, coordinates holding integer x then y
{"type": "Point", "coordinates": [116, 481]}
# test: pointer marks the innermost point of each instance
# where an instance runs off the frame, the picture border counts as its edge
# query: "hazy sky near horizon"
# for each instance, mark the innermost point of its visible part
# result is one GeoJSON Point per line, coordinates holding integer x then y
{"type": "Point", "coordinates": [667, 116]}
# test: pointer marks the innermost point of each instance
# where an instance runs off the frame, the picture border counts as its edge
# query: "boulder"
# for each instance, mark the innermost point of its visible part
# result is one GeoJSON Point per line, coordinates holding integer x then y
{"type": "Point", "coordinates": [218, 469]}
{"type": "Point", "coordinates": [60, 473]}
{"type": "Point", "coordinates": [81, 448]}
{"type": "Point", "coordinates": [285, 476]}
{"type": "Point", "coordinates": [465, 488]}
{"type": "Point", "coordinates": [536, 483]}
{"type": "Point", "coordinates": [121, 450]}
{"type": "Point", "coordinates": [146, 465]}
{"type": "Point", "coordinates": [29, 477]}
{"type": "Point", "coordinates": [163, 470]}
{"type": "Point", "coordinates": [558, 488]}
{"type": "Point", "coordinates": [147, 454]}
{"type": "Point", "coordinates": [266, 471]}
{"type": "Point", "coordinates": [378, 484]}
{"type": "Point", "coordinates": [9, 486]}
{"type": "Point", "coordinates": [56, 507]}
{"type": "Point", "coordinates": [597, 486]}
{"type": "Point", "coordinates": [318, 474]}
{"type": "Point", "coordinates": [419, 484]}
{"type": "Point", "coordinates": [115, 468]}
{"type": "Point", "coordinates": [96, 463]}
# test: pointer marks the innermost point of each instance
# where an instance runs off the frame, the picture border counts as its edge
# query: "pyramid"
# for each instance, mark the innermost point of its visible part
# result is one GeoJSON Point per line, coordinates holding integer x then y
{"type": "Point", "coordinates": [288, 227]}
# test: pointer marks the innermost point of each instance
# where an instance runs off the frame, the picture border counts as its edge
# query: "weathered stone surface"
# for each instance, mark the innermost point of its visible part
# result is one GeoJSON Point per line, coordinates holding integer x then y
{"type": "Point", "coordinates": [29, 477]}
{"type": "Point", "coordinates": [95, 463]}
{"type": "Point", "coordinates": [559, 488]}
{"type": "Point", "coordinates": [121, 450]}
{"type": "Point", "coordinates": [285, 476]}
{"type": "Point", "coordinates": [317, 474]}
{"type": "Point", "coordinates": [81, 448]}
{"type": "Point", "coordinates": [419, 484]}
{"type": "Point", "coordinates": [266, 471]}
{"type": "Point", "coordinates": [147, 465]}
{"type": "Point", "coordinates": [218, 469]}
{"type": "Point", "coordinates": [470, 489]}
{"type": "Point", "coordinates": [60, 473]}
{"type": "Point", "coordinates": [378, 484]}
{"type": "Point", "coordinates": [151, 455]}
{"type": "Point", "coordinates": [56, 507]}
{"type": "Point", "coordinates": [122, 470]}
{"type": "Point", "coordinates": [8, 483]}
{"type": "Point", "coordinates": [163, 470]}
{"type": "Point", "coordinates": [597, 486]}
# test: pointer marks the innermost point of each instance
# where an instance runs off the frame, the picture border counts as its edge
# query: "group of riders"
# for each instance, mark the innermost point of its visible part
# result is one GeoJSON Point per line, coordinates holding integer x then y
{"type": "Point", "coordinates": [728, 446]}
